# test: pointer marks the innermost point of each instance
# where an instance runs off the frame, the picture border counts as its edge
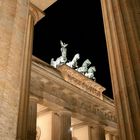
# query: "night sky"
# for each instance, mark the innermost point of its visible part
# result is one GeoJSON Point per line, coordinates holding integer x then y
{"type": "Point", "coordinates": [79, 24]}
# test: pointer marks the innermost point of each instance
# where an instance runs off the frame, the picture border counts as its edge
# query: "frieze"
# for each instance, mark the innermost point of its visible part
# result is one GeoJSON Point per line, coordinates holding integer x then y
{"type": "Point", "coordinates": [78, 102]}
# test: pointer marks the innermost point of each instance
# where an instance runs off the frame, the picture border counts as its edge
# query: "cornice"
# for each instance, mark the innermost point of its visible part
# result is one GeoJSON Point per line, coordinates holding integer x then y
{"type": "Point", "coordinates": [35, 12]}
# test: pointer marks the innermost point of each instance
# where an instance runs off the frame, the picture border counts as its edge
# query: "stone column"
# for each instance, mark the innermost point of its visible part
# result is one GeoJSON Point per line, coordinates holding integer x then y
{"type": "Point", "coordinates": [123, 45]}
{"type": "Point", "coordinates": [97, 132]}
{"type": "Point", "coordinates": [33, 16]}
{"type": "Point", "coordinates": [135, 13]}
{"type": "Point", "coordinates": [15, 62]}
{"type": "Point", "coordinates": [61, 126]}
{"type": "Point", "coordinates": [22, 119]}
{"type": "Point", "coordinates": [14, 67]}
{"type": "Point", "coordinates": [108, 136]}
{"type": "Point", "coordinates": [32, 117]}
{"type": "Point", "coordinates": [115, 137]}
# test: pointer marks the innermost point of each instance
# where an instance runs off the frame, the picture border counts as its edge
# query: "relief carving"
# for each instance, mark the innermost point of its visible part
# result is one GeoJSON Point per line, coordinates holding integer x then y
{"type": "Point", "coordinates": [81, 81]}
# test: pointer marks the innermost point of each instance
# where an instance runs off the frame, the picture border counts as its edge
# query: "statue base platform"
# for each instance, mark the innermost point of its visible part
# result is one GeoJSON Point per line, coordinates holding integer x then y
{"type": "Point", "coordinates": [81, 81]}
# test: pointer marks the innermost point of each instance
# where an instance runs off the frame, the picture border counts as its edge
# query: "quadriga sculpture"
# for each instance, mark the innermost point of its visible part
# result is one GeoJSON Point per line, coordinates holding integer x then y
{"type": "Point", "coordinates": [73, 63]}
{"type": "Point", "coordinates": [90, 73]}
{"type": "Point", "coordinates": [63, 58]}
{"type": "Point", "coordinates": [83, 69]}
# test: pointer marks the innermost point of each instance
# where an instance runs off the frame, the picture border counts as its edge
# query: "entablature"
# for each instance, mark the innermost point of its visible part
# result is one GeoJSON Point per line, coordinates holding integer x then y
{"type": "Point", "coordinates": [48, 84]}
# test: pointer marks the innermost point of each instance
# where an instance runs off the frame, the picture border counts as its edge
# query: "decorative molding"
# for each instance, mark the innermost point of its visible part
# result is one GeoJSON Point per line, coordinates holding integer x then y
{"type": "Point", "coordinates": [36, 13]}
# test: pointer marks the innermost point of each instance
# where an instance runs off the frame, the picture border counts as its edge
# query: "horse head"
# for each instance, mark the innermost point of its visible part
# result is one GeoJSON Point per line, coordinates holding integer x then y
{"type": "Point", "coordinates": [86, 63]}
{"type": "Point", "coordinates": [91, 69]}
{"type": "Point", "coordinates": [77, 56]}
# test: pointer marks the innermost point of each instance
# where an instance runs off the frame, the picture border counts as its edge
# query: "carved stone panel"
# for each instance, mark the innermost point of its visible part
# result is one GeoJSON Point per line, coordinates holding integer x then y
{"type": "Point", "coordinates": [77, 79]}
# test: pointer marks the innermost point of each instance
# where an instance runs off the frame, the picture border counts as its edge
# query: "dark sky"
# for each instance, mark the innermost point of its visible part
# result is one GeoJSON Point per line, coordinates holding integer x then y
{"type": "Point", "coordinates": [78, 23]}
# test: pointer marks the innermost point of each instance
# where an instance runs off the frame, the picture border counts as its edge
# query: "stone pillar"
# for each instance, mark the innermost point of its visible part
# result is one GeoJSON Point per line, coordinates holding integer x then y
{"type": "Point", "coordinates": [14, 67]}
{"type": "Point", "coordinates": [61, 124]}
{"type": "Point", "coordinates": [135, 13]}
{"type": "Point", "coordinates": [15, 62]}
{"type": "Point", "coordinates": [123, 45]}
{"type": "Point", "coordinates": [32, 117]}
{"type": "Point", "coordinates": [108, 136]}
{"type": "Point", "coordinates": [22, 119]}
{"type": "Point", "coordinates": [97, 132]}
{"type": "Point", "coordinates": [115, 137]}
{"type": "Point", "coordinates": [33, 16]}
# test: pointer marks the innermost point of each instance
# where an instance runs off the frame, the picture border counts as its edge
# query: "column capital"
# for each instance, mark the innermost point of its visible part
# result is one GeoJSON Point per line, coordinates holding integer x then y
{"type": "Point", "coordinates": [63, 112]}
{"type": "Point", "coordinates": [35, 12]}
{"type": "Point", "coordinates": [33, 98]}
{"type": "Point", "coordinates": [97, 125]}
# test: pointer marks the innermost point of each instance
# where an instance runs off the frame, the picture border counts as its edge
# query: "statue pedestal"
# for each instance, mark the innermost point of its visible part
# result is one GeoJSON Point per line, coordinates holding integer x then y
{"type": "Point", "coordinates": [79, 80]}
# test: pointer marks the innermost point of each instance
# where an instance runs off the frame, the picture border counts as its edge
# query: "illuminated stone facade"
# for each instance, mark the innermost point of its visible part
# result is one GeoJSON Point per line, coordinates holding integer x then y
{"type": "Point", "coordinates": [122, 29]}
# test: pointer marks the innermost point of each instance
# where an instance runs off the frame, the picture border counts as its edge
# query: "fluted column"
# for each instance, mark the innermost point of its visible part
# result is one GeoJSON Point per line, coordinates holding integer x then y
{"type": "Point", "coordinates": [16, 28]}
{"type": "Point", "coordinates": [97, 132]}
{"type": "Point", "coordinates": [108, 136]}
{"type": "Point", "coordinates": [123, 45]}
{"type": "Point", "coordinates": [22, 120]}
{"type": "Point", "coordinates": [61, 126]}
{"type": "Point", "coordinates": [65, 125]}
{"type": "Point", "coordinates": [33, 16]}
{"type": "Point", "coordinates": [115, 137]}
{"type": "Point", "coordinates": [32, 117]}
{"type": "Point", "coordinates": [135, 14]}
{"type": "Point", "coordinates": [14, 67]}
